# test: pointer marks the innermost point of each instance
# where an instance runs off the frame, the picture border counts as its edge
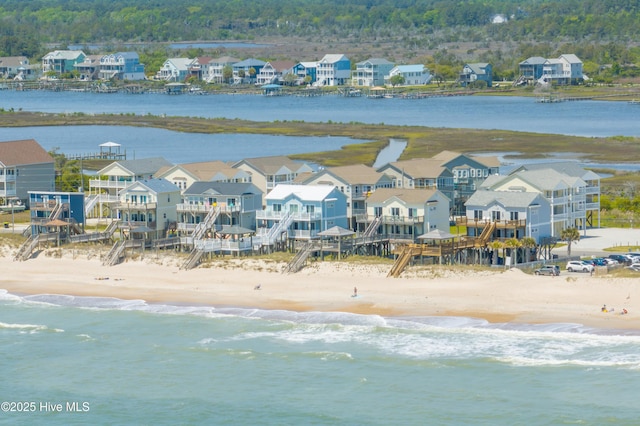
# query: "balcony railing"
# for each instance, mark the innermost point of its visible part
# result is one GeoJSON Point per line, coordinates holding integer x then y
{"type": "Point", "coordinates": [204, 208]}
{"type": "Point", "coordinates": [299, 217]}
{"type": "Point", "coordinates": [136, 206]}
{"type": "Point", "coordinates": [108, 184]}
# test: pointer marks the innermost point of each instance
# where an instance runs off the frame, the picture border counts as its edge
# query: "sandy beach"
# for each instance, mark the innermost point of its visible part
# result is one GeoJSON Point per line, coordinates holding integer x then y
{"type": "Point", "coordinates": [495, 295]}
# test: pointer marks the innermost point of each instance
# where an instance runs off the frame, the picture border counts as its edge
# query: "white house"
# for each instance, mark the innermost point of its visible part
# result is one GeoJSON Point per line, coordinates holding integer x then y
{"type": "Point", "coordinates": [413, 75]}
{"type": "Point", "coordinates": [149, 203]}
{"type": "Point", "coordinates": [185, 175]}
{"type": "Point", "coordinates": [407, 213]}
{"type": "Point", "coordinates": [175, 69]}
{"type": "Point", "coordinates": [566, 69]}
{"type": "Point", "coordinates": [267, 172]}
{"type": "Point", "coordinates": [213, 71]}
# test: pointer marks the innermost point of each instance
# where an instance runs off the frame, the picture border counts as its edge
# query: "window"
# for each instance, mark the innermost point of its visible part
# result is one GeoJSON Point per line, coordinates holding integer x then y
{"type": "Point", "coordinates": [277, 207]}
{"type": "Point", "coordinates": [395, 211]}
{"type": "Point", "coordinates": [513, 215]}
{"type": "Point", "coordinates": [495, 215]}
{"type": "Point", "coordinates": [310, 208]}
{"type": "Point", "coordinates": [477, 214]}
{"type": "Point", "coordinates": [377, 211]}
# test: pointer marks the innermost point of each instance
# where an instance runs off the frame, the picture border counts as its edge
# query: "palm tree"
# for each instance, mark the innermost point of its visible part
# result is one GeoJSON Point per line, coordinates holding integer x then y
{"type": "Point", "coordinates": [570, 235]}
{"type": "Point", "coordinates": [495, 245]}
{"type": "Point", "coordinates": [513, 244]}
{"type": "Point", "coordinates": [528, 243]}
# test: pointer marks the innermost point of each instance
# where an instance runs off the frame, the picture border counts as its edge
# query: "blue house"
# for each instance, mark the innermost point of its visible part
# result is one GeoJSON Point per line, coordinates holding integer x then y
{"type": "Point", "coordinates": [50, 208]}
{"type": "Point", "coordinates": [302, 211]}
{"type": "Point", "coordinates": [476, 72]}
{"type": "Point", "coordinates": [121, 66]}
{"type": "Point", "coordinates": [247, 70]}
{"type": "Point", "coordinates": [305, 69]}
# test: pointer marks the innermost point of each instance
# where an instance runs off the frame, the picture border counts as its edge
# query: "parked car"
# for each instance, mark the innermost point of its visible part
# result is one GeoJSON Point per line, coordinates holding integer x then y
{"type": "Point", "coordinates": [635, 267]}
{"type": "Point", "coordinates": [620, 258]}
{"type": "Point", "coordinates": [579, 266]}
{"type": "Point", "coordinates": [599, 261]}
{"type": "Point", "coordinates": [552, 270]}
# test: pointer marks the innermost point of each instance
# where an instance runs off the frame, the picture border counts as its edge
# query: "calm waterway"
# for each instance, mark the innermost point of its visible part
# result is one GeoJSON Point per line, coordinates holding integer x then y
{"type": "Point", "coordinates": [584, 118]}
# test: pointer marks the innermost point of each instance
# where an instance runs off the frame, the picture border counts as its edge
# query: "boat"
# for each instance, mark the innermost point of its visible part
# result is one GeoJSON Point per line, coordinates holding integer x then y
{"type": "Point", "coordinates": [15, 206]}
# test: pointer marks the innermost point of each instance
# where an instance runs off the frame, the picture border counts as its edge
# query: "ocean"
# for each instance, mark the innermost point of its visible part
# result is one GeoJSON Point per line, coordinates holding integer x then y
{"type": "Point", "coordinates": [82, 360]}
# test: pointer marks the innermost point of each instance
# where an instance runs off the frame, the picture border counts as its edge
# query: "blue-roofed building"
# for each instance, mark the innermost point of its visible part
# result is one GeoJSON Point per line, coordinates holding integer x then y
{"type": "Point", "coordinates": [302, 211]}
{"type": "Point", "coordinates": [121, 66]}
{"type": "Point", "coordinates": [413, 75]}
{"type": "Point", "coordinates": [149, 203]}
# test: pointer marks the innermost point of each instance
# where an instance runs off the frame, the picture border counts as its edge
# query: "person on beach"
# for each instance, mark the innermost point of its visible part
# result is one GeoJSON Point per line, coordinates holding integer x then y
{"type": "Point", "coordinates": [355, 292]}
{"type": "Point", "coordinates": [604, 308]}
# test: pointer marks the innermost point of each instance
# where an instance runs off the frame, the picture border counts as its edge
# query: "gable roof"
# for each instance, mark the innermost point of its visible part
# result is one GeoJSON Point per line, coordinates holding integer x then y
{"type": "Point", "coordinates": [204, 170]}
{"type": "Point", "coordinates": [504, 198]}
{"type": "Point", "coordinates": [375, 61]}
{"type": "Point", "coordinates": [411, 68]}
{"type": "Point", "coordinates": [534, 60]}
{"type": "Point", "coordinates": [569, 168]}
{"type": "Point", "coordinates": [22, 152]}
{"type": "Point", "coordinates": [409, 196]}
{"type": "Point", "coordinates": [222, 188]}
{"type": "Point", "coordinates": [143, 166]}
{"type": "Point", "coordinates": [158, 186]}
{"type": "Point", "coordinates": [251, 62]}
{"type": "Point", "coordinates": [332, 58]}
{"type": "Point", "coordinates": [303, 192]}
{"type": "Point", "coordinates": [355, 174]}
{"type": "Point", "coordinates": [418, 168]}
{"type": "Point", "coordinates": [270, 165]}
{"type": "Point", "coordinates": [13, 61]}
{"type": "Point", "coordinates": [281, 65]}
{"type": "Point", "coordinates": [488, 161]}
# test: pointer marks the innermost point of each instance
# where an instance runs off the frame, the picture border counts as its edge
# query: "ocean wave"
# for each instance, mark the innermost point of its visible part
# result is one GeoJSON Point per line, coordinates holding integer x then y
{"type": "Point", "coordinates": [29, 328]}
{"type": "Point", "coordinates": [445, 324]}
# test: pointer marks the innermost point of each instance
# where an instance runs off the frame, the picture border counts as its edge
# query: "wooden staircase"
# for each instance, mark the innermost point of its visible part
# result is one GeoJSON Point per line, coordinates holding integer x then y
{"type": "Point", "coordinates": [299, 259]}
{"type": "Point", "coordinates": [193, 259]}
{"type": "Point", "coordinates": [403, 259]}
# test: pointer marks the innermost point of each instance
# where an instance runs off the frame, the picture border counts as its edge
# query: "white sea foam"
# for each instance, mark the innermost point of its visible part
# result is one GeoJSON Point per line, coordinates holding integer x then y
{"type": "Point", "coordinates": [29, 328]}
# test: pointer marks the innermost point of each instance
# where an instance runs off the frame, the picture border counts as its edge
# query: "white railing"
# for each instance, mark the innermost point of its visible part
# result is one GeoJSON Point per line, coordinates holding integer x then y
{"type": "Point", "coordinates": [108, 184]}
{"type": "Point", "coordinates": [299, 217]}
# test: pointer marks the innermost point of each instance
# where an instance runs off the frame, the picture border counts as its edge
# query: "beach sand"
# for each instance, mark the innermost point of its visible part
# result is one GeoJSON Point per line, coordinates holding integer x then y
{"type": "Point", "coordinates": [495, 295]}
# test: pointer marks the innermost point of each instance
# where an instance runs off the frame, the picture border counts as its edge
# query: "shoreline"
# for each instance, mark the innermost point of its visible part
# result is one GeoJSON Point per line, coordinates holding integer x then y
{"type": "Point", "coordinates": [508, 296]}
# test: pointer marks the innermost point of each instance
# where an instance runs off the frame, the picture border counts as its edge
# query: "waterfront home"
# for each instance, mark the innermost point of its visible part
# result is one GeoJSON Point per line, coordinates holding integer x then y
{"type": "Point", "coordinates": [213, 71]}
{"type": "Point", "coordinates": [531, 69]}
{"type": "Point", "coordinates": [149, 206]}
{"type": "Point", "coordinates": [121, 66]}
{"type": "Point", "coordinates": [371, 72]}
{"type": "Point", "coordinates": [24, 166]}
{"type": "Point", "coordinates": [300, 212]}
{"type": "Point", "coordinates": [267, 172]}
{"type": "Point", "coordinates": [89, 68]}
{"type": "Point", "coordinates": [413, 75]}
{"type": "Point", "coordinates": [237, 204]}
{"type": "Point", "coordinates": [357, 182]}
{"type": "Point", "coordinates": [566, 69]}
{"type": "Point", "coordinates": [174, 69]}
{"type": "Point", "coordinates": [276, 72]}
{"type": "Point", "coordinates": [480, 71]}
{"type": "Point", "coordinates": [247, 70]}
{"type": "Point", "coordinates": [198, 66]}
{"type": "Point", "coordinates": [305, 72]}
{"type": "Point", "coordinates": [405, 214]}
{"type": "Point", "coordinates": [468, 172]}
{"type": "Point", "coordinates": [53, 210]}
{"type": "Point", "coordinates": [333, 70]}
{"type": "Point", "coordinates": [570, 168]}
{"type": "Point", "coordinates": [184, 175]}
{"type": "Point", "coordinates": [508, 214]}
{"type": "Point", "coordinates": [16, 68]}
{"type": "Point", "coordinates": [110, 180]}
{"type": "Point", "coordinates": [420, 173]}
{"type": "Point", "coordinates": [565, 194]}
{"type": "Point", "coordinates": [62, 61]}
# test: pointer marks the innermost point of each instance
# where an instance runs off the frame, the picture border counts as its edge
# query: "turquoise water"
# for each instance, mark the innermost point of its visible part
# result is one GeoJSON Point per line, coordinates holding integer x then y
{"type": "Point", "coordinates": [129, 362]}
